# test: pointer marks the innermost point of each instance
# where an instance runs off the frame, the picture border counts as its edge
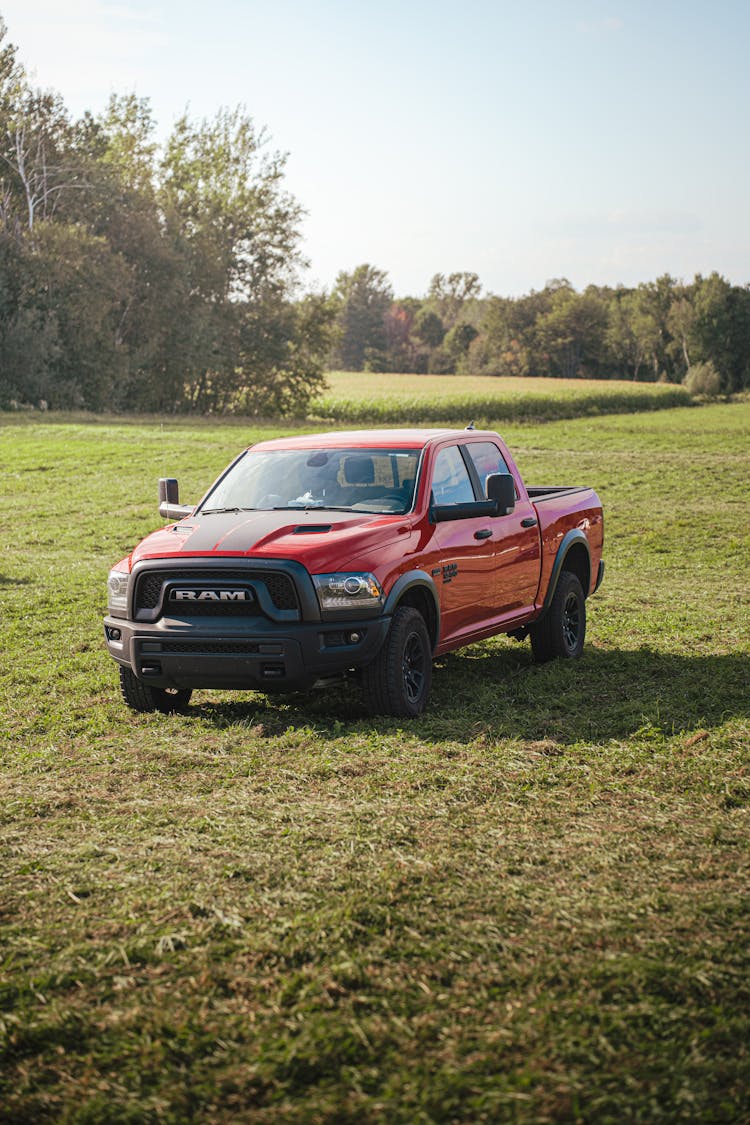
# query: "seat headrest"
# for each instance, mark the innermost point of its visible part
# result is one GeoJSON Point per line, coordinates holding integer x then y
{"type": "Point", "coordinates": [359, 470]}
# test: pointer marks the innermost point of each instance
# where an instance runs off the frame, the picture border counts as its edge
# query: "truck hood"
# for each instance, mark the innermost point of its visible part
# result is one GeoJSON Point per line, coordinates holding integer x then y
{"type": "Point", "coordinates": [321, 540]}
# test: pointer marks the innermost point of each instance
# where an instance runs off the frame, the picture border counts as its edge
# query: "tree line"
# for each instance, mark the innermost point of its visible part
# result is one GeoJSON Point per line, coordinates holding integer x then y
{"type": "Point", "coordinates": [137, 276]}
{"type": "Point", "coordinates": [665, 330]}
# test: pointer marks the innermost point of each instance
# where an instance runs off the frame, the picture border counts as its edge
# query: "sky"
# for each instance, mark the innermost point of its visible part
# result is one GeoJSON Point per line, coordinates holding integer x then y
{"type": "Point", "coordinates": [604, 141]}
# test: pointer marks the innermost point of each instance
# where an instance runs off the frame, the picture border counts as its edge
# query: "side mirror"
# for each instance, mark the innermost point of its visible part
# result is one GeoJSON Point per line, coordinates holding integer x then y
{"type": "Point", "coordinates": [440, 513]}
{"type": "Point", "coordinates": [502, 489]}
{"type": "Point", "coordinates": [170, 507]}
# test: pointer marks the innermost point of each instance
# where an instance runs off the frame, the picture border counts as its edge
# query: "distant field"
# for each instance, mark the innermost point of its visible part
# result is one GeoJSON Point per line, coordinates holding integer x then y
{"type": "Point", "coordinates": [529, 906]}
{"type": "Point", "coordinates": [363, 397]}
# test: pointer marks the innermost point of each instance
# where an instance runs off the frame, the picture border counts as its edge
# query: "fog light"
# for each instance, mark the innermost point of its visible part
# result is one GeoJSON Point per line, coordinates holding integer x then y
{"type": "Point", "coordinates": [272, 671]}
{"type": "Point", "coordinates": [114, 634]}
{"type": "Point", "coordinates": [354, 638]}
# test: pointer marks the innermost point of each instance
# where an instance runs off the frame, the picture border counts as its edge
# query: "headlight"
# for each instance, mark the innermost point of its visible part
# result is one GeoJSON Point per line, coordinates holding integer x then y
{"type": "Point", "coordinates": [117, 592]}
{"type": "Point", "coordinates": [352, 592]}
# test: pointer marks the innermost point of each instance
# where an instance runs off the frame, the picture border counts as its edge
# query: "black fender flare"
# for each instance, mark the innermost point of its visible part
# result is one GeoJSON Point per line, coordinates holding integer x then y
{"type": "Point", "coordinates": [570, 539]}
{"type": "Point", "coordinates": [406, 582]}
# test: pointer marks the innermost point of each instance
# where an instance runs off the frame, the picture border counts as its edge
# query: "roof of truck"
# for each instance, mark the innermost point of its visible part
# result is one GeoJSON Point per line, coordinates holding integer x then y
{"type": "Point", "coordinates": [366, 439]}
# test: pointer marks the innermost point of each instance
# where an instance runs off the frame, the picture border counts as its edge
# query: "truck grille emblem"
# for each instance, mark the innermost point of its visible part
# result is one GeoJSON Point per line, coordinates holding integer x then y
{"type": "Point", "coordinates": [209, 595]}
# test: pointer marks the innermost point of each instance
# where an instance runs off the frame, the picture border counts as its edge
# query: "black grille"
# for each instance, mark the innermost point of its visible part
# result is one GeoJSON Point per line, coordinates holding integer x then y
{"type": "Point", "coordinates": [280, 589]}
{"type": "Point", "coordinates": [213, 609]}
{"type": "Point", "coordinates": [238, 648]}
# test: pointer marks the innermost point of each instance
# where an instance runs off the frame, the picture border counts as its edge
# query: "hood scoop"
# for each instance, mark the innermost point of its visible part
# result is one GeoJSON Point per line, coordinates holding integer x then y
{"type": "Point", "coordinates": [312, 529]}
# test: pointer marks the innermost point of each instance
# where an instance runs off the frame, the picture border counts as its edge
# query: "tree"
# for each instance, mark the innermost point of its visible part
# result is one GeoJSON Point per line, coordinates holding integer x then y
{"type": "Point", "coordinates": [681, 326]}
{"type": "Point", "coordinates": [458, 341]}
{"type": "Point", "coordinates": [656, 299]}
{"type": "Point", "coordinates": [400, 349]}
{"type": "Point", "coordinates": [429, 328]}
{"type": "Point", "coordinates": [121, 206]}
{"type": "Point", "coordinates": [448, 295]}
{"type": "Point", "coordinates": [29, 343]}
{"type": "Point", "coordinates": [736, 375]}
{"type": "Point", "coordinates": [74, 281]}
{"type": "Point", "coordinates": [364, 298]}
{"type": "Point", "coordinates": [235, 232]}
{"type": "Point", "coordinates": [721, 329]}
{"type": "Point", "coordinates": [572, 331]}
{"type": "Point", "coordinates": [35, 159]}
{"type": "Point", "coordinates": [286, 344]}
{"type": "Point", "coordinates": [632, 335]}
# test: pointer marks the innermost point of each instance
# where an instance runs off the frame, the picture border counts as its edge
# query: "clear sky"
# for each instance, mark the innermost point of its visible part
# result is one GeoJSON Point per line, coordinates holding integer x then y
{"type": "Point", "coordinates": [604, 141]}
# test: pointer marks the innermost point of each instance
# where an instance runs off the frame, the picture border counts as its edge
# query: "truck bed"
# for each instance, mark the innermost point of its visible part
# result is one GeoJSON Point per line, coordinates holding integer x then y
{"type": "Point", "coordinates": [561, 508]}
{"type": "Point", "coordinates": [541, 492]}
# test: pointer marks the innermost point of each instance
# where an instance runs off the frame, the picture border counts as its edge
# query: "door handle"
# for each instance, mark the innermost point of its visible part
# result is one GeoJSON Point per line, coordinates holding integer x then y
{"type": "Point", "coordinates": [529, 521]}
{"type": "Point", "coordinates": [483, 534]}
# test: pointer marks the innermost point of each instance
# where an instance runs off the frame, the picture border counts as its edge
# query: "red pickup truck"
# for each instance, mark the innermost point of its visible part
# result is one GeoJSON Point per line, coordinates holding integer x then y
{"type": "Point", "coordinates": [370, 552]}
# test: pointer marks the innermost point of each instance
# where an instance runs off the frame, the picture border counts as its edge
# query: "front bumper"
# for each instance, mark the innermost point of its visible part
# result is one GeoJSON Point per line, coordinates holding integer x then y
{"type": "Point", "coordinates": [245, 653]}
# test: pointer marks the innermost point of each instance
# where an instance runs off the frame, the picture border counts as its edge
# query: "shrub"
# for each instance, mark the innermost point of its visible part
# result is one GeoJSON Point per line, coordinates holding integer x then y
{"type": "Point", "coordinates": [703, 379]}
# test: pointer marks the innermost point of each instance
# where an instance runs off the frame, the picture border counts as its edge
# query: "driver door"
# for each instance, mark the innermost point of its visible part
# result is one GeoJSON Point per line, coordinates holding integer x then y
{"type": "Point", "coordinates": [464, 567]}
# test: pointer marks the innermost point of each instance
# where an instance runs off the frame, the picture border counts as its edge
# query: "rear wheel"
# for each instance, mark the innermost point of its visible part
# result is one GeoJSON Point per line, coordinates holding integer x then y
{"type": "Point", "coordinates": [144, 697]}
{"type": "Point", "coordinates": [399, 678]}
{"type": "Point", "coordinates": [562, 630]}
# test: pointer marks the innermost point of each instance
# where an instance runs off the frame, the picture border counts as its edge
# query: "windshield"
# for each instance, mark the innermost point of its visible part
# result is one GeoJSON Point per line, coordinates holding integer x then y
{"type": "Point", "coordinates": [357, 480]}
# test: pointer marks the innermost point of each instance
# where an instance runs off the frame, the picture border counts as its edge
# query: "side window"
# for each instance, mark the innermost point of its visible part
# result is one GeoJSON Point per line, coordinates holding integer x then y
{"type": "Point", "coordinates": [487, 459]}
{"type": "Point", "coordinates": [451, 483]}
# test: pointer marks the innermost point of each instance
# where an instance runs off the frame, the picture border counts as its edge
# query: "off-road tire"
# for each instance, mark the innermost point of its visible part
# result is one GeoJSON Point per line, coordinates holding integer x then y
{"type": "Point", "coordinates": [144, 697]}
{"type": "Point", "coordinates": [562, 630]}
{"type": "Point", "coordinates": [398, 680]}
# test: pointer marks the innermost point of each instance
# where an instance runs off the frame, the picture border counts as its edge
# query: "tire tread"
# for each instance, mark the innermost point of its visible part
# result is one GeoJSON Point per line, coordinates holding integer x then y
{"type": "Point", "coordinates": [144, 698]}
{"type": "Point", "coordinates": [381, 679]}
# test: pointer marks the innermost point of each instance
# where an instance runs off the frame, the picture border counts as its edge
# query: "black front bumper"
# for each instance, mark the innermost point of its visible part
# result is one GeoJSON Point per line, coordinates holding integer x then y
{"type": "Point", "coordinates": [274, 640]}
{"type": "Point", "coordinates": [250, 653]}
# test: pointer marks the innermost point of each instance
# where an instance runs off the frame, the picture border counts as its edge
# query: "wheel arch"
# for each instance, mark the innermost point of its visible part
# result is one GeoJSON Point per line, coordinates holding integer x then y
{"type": "Point", "coordinates": [573, 555]}
{"type": "Point", "coordinates": [417, 589]}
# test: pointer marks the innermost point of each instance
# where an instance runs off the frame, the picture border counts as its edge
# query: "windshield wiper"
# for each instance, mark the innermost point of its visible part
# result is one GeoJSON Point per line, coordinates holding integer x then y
{"type": "Point", "coordinates": [223, 511]}
{"type": "Point", "coordinates": [310, 506]}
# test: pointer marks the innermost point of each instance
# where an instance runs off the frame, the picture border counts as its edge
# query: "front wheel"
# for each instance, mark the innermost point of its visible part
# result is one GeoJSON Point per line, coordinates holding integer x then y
{"type": "Point", "coordinates": [144, 697]}
{"type": "Point", "coordinates": [562, 630]}
{"type": "Point", "coordinates": [399, 678]}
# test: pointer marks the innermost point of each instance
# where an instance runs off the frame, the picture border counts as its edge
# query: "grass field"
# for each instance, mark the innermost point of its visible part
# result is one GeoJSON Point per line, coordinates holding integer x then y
{"type": "Point", "coordinates": [531, 905]}
{"type": "Point", "coordinates": [355, 396]}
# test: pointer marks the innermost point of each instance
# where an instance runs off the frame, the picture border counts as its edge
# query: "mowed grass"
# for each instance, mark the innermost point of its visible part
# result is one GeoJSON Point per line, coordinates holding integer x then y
{"type": "Point", "coordinates": [362, 397]}
{"type": "Point", "coordinates": [529, 906]}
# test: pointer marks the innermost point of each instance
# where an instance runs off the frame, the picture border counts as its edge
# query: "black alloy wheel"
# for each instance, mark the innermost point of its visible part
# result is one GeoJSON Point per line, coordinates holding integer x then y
{"type": "Point", "coordinates": [413, 667]}
{"type": "Point", "coordinates": [571, 621]}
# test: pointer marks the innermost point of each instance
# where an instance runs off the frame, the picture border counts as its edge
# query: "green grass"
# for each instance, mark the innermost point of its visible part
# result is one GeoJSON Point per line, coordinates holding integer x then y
{"type": "Point", "coordinates": [529, 906]}
{"type": "Point", "coordinates": [357, 397]}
